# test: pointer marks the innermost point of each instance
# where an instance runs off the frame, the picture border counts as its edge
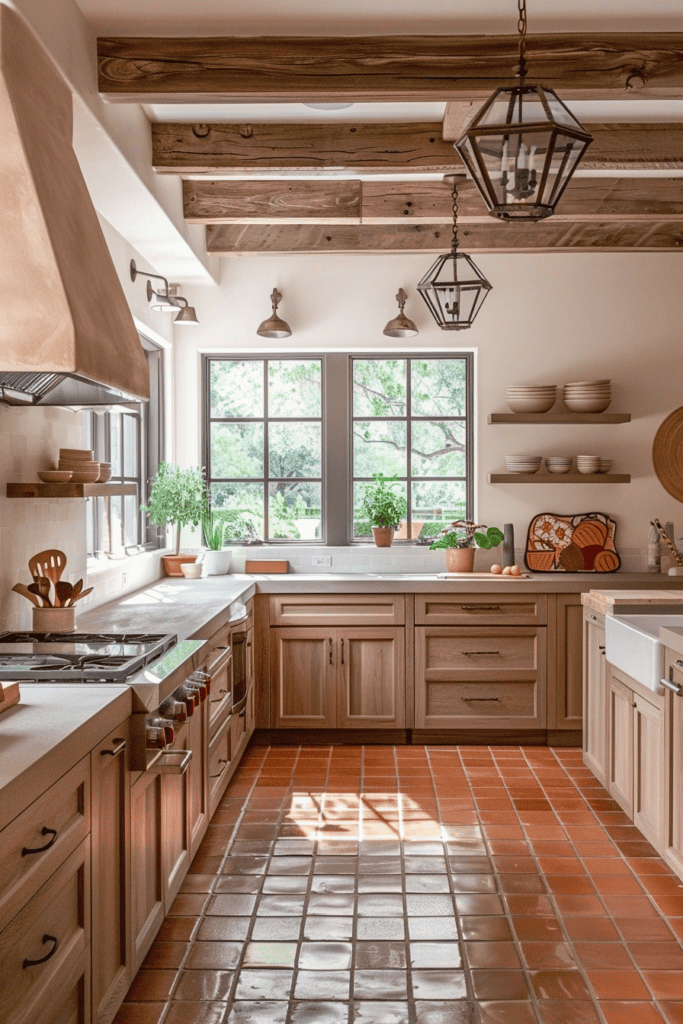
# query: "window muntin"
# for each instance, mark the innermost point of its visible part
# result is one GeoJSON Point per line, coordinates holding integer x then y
{"type": "Point", "coordinates": [263, 446]}
{"type": "Point", "coordinates": [409, 420]}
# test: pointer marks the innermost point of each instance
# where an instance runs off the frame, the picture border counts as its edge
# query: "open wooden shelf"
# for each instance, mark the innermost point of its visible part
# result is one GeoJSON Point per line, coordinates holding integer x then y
{"type": "Point", "coordinates": [559, 478]}
{"type": "Point", "coordinates": [69, 490]}
{"type": "Point", "coordinates": [560, 417]}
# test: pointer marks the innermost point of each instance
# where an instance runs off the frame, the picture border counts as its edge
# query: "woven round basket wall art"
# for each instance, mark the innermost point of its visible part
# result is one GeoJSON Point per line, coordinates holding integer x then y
{"type": "Point", "coordinates": [667, 454]}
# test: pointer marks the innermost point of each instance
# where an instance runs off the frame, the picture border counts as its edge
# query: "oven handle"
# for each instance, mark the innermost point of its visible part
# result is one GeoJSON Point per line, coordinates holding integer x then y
{"type": "Point", "coordinates": [222, 659]}
{"type": "Point", "coordinates": [177, 765]}
{"type": "Point", "coordinates": [238, 708]}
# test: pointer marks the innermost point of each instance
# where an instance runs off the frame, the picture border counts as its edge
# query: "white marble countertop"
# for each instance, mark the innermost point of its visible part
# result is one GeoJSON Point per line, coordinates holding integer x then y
{"type": "Point", "coordinates": [49, 731]}
{"type": "Point", "coordinates": [672, 637]}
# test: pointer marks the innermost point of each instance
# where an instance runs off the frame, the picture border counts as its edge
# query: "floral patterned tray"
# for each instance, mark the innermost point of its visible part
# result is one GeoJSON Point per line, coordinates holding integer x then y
{"type": "Point", "coordinates": [566, 543]}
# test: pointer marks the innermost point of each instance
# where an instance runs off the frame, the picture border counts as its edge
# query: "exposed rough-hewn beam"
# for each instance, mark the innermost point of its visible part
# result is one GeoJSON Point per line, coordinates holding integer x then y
{"type": "Point", "coordinates": [457, 117]}
{"type": "Point", "coordinates": [389, 68]}
{"type": "Point", "coordinates": [548, 236]}
{"type": "Point", "coordinates": [250, 150]}
{"type": "Point", "coordinates": [417, 202]}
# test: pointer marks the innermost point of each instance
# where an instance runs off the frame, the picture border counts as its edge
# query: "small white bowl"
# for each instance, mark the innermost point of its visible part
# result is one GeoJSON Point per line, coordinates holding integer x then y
{"type": "Point", "coordinates": [191, 570]}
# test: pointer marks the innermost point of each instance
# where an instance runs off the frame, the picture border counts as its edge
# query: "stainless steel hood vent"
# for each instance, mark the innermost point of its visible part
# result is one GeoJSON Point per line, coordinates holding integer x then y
{"type": "Point", "coordinates": [67, 336]}
{"type": "Point", "coordinates": [57, 389]}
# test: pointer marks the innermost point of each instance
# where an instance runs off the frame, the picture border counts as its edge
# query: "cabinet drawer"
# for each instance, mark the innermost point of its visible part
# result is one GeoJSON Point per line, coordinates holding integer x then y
{"type": "Point", "coordinates": [220, 697]}
{"type": "Point", "coordinates": [337, 610]}
{"type": "Point", "coordinates": [478, 653]}
{"type": "Point", "coordinates": [480, 609]}
{"type": "Point", "coordinates": [467, 700]}
{"type": "Point", "coordinates": [219, 762]}
{"type": "Point", "coordinates": [53, 825]}
{"type": "Point", "coordinates": [45, 938]}
{"type": "Point", "coordinates": [238, 728]}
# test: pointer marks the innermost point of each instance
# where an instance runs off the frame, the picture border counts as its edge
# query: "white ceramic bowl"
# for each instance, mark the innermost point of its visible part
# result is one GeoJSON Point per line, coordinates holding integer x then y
{"type": "Point", "coordinates": [558, 465]}
{"type": "Point", "coordinates": [531, 404]}
{"type": "Point", "coordinates": [521, 464]}
{"type": "Point", "coordinates": [605, 466]}
{"type": "Point", "coordinates": [587, 404]}
{"type": "Point", "coordinates": [191, 570]}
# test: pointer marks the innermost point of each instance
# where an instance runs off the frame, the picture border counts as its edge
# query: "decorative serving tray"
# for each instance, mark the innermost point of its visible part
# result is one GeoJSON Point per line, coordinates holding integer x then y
{"type": "Point", "coordinates": [572, 543]}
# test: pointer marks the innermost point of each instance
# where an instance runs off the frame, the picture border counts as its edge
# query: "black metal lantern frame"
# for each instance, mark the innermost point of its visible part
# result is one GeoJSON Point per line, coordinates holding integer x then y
{"type": "Point", "coordinates": [523, 146]}
{"type": "Point", "coordinates": [454, 288]}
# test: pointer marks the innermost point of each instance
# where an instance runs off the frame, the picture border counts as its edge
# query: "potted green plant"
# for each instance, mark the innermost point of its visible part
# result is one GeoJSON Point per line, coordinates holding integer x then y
{"type": "Point", "coordinates": [177, 498]}
{"type": "Point", "coordinates": [460, 541]}
{"type": "Point", "coordinates": [384, 508]}
{"type": "Point", "coordinates": [216, 560]}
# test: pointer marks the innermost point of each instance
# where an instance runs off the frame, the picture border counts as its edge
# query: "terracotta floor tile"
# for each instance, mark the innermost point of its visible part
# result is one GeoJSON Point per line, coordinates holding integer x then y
{"type": "Point", "coordinates": [603, 955]}
{"type": "Point", "coordinates": [671, 1011]}
{"type": "Point", "coordinates": [615, 984]}
{"type": "Point", "coordinates": [196, 1013]}
{"type": "Point", "coordinates": [492, 954]}
{"type": "Point", "coordinates": [669, 905]}
{"type": "Point", "coordinates": [540, 906]}
{"type": "Point", "coordinates": [628, 1013]}
{"type": "Point", "coordinates": [555, 955]}
{"type": "Point", "coordinates": [151, 986]}
{"type": "Point", "coordinates": [596, 929]}
{"type": "Point", "coordinates": [555, 1012]}
{"type": "Point", "coordinates": [559, 985]}
{"type": "Point", "coordinates": [665, 956]}
{"type": "Point", "coordinates": [630, 906]}
{"type": "Point", "coordinates": [588, 905]}
{"type": "Point", "coordinates": [140, 1013]}
{"type": "Point", "coordinates": [573, 884]}
{"type": "Point", "coordinates": [617, 885]}
{"type": "Point", "coordinates": [664, 984]}
{"type": "Point", "coordinates": [204, 985]}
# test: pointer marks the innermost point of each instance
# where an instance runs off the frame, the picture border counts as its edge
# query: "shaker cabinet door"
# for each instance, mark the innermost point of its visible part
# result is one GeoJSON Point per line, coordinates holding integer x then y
{"type": "Point", "coordinates": [303, 667]}
{"type": "Point", "coordinates": [371, 678]}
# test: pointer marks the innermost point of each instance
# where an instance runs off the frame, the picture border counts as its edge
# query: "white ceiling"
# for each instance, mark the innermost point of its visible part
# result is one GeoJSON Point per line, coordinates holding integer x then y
{"type": "Point", "coordinates": [359, 17]}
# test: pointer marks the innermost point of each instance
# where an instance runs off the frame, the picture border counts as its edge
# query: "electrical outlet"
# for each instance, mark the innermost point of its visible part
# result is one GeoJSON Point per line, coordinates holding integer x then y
{"type": "Point", "coordinates": [124, 578]}
{"type": "Point", "coordinates": [322, 561]}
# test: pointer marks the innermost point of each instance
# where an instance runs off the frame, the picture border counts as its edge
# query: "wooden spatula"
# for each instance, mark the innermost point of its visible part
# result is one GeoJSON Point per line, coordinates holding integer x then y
{"type": "Point", "coordinates": [41, 591]}
{"type": "Point", "coordinates": [75, 593]}
{"type": "Point", "coordinates": [83, 593]}
{"type": "Point", "coordinates": [21, 588]}
{"type": "Point", "coordinates": [63, 592]}
{"type": "Point", "coordinates": [50, 563]}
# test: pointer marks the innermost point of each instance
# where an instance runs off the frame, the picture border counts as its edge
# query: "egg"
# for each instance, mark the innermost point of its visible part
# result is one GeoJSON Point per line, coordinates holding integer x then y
{"type": "Point", "coordinates": [507, 571]}
{"type": "Point", "coordinates": [496, 569]}
{"type": "Point", "coordinates": [515, 570]}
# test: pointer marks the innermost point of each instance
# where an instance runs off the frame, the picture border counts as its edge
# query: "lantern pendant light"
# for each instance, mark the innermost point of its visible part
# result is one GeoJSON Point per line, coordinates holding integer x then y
{"type": "Point", "coordinates": [454, 288]}
{"type": "Point", "coordinates": [523, 146]}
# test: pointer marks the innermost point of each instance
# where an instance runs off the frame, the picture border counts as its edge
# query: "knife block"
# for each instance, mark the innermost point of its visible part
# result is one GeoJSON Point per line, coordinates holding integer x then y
{"type": "Point", "coordinates": [54, 620]}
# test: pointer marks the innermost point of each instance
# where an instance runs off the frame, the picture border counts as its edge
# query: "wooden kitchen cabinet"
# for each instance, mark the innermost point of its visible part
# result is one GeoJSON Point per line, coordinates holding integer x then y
{"type": "Point", "coordinates": [303, 678]}
{"type": "Point", "coordinates": [595, 696]}
{"type": "Point", "coordinates": [111, 939]}
{"type": "Point", "coordinates": [636, 751]}
{"type": "Point", "coordinates": [672, 848]}
{"type": "Point", "coordinates": [338, 678]}
{"type": "Point", "coordinates": [147, 873]}
{"type": "Point", "coordinates": [177, 815]}
{"type": "Point", "coordinates": [565, 664]}
{"type": "Point", "coordinates": [480, 677]}
{"type": "Point", "coordinates": [370, 678]}
{"type": "Point", "coordinates": [197, 777]}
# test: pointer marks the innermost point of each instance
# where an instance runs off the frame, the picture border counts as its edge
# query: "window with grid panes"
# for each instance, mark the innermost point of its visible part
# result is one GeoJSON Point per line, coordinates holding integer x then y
{"type": "Point", "coordinates": [291, 443]}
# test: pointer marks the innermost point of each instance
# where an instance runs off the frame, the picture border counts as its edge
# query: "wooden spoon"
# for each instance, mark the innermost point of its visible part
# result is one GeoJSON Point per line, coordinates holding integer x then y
{"type": "Point", "coordinates": [35, 599]}
{"type": "Point", "coordinates": [63, 592]}
{"type": "Point", "coordinates": [43, 585]}
{"type": "Point", "coordinates": [35, 589]}
{"type": "Point", "coordinates": [83, 593]}
{"type": "Point", "coordinates": [77, 588]}
{"type": "Point", "coordinates": [50, 563]}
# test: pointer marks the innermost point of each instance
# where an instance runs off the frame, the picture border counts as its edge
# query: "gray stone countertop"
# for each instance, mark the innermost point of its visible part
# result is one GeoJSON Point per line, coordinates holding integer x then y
{"type": "Point", "coordinates": [48, 732]}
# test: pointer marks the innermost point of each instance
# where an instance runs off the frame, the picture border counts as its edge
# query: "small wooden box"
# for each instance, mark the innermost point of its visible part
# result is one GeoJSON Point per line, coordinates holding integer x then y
{"type": "Point", "coordinates": [9, 696]}
{"type": "Point", "coordinates": [262, 566]}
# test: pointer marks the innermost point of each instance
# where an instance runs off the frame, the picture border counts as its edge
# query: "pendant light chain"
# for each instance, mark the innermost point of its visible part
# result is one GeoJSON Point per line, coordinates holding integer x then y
{"type": "Point", "coordinates": [521, 68]}
{"type": "Point", "coordinates": [454, 243]}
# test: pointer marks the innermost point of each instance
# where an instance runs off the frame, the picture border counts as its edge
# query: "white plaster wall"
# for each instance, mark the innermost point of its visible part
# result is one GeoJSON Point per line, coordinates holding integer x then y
{"type": "Point", "coordinates": [549, 319]}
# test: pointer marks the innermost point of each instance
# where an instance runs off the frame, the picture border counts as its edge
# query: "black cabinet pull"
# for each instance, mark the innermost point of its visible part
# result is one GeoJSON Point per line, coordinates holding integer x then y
{"type": "Point", "coordinates": [342, 651]}
{"type": "Point", "coordinates": [468, 699]}
{"type": "Point", "coordinates": [118, 749]}
{"type": "Point", "coordinates": [330, 643]}
{"type": "Point", "coordinates": [468, 653]}
{"type": "Point", "coordinates": [43, 959]}
{"type": "Point", "coordinates": [481, 607]}
{"type": "Point", "coordinates": [52, 832]}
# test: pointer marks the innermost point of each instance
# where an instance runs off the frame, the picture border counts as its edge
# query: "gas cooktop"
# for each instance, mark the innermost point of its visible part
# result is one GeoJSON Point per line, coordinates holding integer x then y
{"type": "Point", "coordinates": [84, 657]}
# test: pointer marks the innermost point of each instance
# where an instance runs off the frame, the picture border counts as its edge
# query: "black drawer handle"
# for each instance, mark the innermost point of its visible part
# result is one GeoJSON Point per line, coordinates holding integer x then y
{"type": "Point", "coordinates": [52, 832]}
{"type": "Point", "coordinates": [118, 749]}
{"type": "Point", "coordinates": [601, 647]}
{"type": "Point", "coordinates": [43, 959]}
{"type": "Point", "coordinates": [481, 607]}
{"type": "Point", "coordinates": [679, 662]}
{"type": "Point", "coordinates": [481, 699]}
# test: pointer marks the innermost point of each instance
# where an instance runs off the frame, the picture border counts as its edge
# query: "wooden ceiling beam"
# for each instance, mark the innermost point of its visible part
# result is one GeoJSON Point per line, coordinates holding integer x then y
{"type": "Point", "coordinates": [290, 201]}
{"type": "Point", "coordinates": [255, 150]}
{"type": "Point", "coordinates": [548, 236]}
{"type": "Point", "coordinates": [595, 65]}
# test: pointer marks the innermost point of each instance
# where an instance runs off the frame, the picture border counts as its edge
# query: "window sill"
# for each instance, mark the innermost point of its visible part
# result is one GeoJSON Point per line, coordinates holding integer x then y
{"type": "Point", "coordinates": [98, 567]}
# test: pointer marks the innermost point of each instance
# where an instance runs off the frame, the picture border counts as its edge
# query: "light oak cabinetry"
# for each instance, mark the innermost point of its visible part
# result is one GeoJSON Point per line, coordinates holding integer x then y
{"type": "Point", "coordinates": [565, 663]}
{"type": "Point", "coordinates": [595, 695]}
{"type": "Point", "coordinates": [636, 751]}
{"type": "Point", "coordinates": [673, 839]}
{"type": "Point", "coordinates": [338, 678]}
{"type": "Point", "coordinates": [147, 873]}
{"type": "Point", "coordinates": [111, 939]}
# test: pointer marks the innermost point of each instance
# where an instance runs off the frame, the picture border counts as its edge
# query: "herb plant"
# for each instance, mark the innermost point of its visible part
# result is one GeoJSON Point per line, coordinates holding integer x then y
{"type": "Point", "coordinates": [466, 534]}
{"type": "Point", "coordinates": [178, 497]}
{"type": "Point", "coordinates": [381, 505]}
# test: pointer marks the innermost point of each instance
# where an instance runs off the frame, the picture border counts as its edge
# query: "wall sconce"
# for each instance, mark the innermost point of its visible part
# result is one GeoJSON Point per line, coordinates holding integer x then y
{"type": "Point", "coordinates": [167, 301]}
{"type": "Point", "coordinates": [401, 326]}
{"type": "Point", "coordinates": [274, 326]}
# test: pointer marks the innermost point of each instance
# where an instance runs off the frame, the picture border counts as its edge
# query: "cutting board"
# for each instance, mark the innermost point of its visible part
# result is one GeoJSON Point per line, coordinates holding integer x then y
{"type": "Point", "coordinates": [9, 696]}
{"type": "Point", "coordinates": [261, 565]}
{"type": "Point", "coordinates": [481, 576]}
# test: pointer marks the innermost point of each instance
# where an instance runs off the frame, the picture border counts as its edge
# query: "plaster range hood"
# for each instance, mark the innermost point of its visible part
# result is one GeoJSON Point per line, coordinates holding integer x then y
{"type": "Point", "coordinates": [67, 336]}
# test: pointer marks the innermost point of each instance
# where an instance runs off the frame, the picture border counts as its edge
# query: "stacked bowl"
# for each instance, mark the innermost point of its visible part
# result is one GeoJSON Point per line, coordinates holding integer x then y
{"type": "Point", "coordinates": [588, 463]}
{"type": "Point", "coordinates": [558, 463]}
{"type": "Point", "coordinates": [84, 469]}
{"type": "Point", "coordinates": [605, 466]}
{"type": "Point", "coordinates": [531, 399]}
{"type": "Point", "coordinates": [523, 463]}
{"type": "Point", "coordinates": [588, 395]}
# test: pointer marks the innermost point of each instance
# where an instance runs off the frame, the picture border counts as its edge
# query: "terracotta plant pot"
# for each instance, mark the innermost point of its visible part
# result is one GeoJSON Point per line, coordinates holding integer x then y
{"type": "Point", "coordinates": [172, 563]}
{"type": "Point", "coordinates": [383, 536]}
{"type": "Point", "coordinates": [460, 559]}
